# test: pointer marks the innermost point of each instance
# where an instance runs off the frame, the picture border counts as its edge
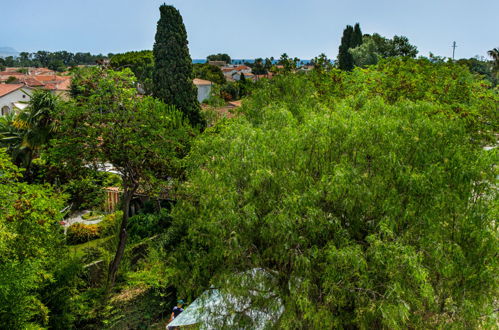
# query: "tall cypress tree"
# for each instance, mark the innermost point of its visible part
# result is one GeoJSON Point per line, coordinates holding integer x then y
{"type": "Point", "coordinates": [356, 36]}
{"type": "Point", "coordinates": [172, 77]}
{"type": "Point", "coordinates": [345, 59]}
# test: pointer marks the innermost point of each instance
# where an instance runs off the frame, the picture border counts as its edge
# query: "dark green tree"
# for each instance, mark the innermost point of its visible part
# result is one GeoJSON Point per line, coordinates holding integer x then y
{"type": "Point", "coordinates": [172, 77]}
{"type": "Point", "coordinates": [345, 59]}
{"type": "Point", "coordinates": [219, 57]}
{"type": "Point", "coordinates": [356, 36]}
{"type": "Point", "coordinates": [258, 67]}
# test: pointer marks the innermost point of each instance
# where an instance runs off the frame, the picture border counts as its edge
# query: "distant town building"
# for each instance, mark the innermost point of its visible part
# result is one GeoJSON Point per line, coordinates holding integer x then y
{"type": "Point", "coordinates": [14, 81]}
{"type": "Point", "coordinates": [218, 63]}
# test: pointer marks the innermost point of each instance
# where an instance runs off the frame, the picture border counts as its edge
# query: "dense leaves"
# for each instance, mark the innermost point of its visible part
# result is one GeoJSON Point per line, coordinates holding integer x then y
{"type": "Point", "coordinates": [141, 63]}
{"type": "Point", "coordinates": [172, 77]}
{"type": "Point", "coordinates": [372, 205]}
{"type": "Point", "coordinates": [141, 137]}
{"type": "Point", "coordinates": [375, 47]}
{"type": "Point", "coordinates": [32, 253]}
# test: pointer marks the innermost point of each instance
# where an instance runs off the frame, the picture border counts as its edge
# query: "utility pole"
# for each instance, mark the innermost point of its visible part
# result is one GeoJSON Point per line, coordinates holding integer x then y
{"type": "Point", "coordinates": [453, 49]}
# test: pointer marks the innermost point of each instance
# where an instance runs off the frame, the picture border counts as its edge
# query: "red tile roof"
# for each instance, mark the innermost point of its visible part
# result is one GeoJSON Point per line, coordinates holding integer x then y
{"type": "Point", "coordinates": [242, 67]}
{"type": "Point", "coordinates": [51, 78]}
{"type": "Point", "coordinates": [9, 88]}
{"type": "Point", "coordinates": [201, 82]}
{"type": "Point", "coordinates": [31, 82]}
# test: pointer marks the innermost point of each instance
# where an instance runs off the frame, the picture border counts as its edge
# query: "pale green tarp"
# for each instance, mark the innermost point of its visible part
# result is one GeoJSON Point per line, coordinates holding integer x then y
{"type": "Point", "coordinates": [212, 309]}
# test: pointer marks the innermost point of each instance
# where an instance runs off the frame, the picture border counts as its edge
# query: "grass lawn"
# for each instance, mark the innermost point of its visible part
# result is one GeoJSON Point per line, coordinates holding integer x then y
{"type": "Point", "coordinates": [79, 249]}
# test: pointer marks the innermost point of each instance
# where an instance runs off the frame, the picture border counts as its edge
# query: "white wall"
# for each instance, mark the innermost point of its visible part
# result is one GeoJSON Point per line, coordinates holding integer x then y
{"type": "Point", "coordinates": [203, 92]}
{"type": "Point", "coordinates": [15, 96]}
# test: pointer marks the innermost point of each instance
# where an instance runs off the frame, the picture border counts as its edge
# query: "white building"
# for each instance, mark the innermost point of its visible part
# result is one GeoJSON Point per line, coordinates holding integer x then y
{"type": "Point", "coordinates": [204, 88]}
{"type": "Point", "coordinates": [13, 96]}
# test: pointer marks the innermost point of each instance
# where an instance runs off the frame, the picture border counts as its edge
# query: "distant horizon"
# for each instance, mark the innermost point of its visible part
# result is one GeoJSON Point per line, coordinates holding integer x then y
{"type": "Point", "coordinates": [198, 60]}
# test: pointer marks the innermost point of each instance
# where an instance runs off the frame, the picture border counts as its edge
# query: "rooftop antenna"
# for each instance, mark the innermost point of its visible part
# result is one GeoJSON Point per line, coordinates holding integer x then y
{"type": "Point", "coordinates": [453, 49]}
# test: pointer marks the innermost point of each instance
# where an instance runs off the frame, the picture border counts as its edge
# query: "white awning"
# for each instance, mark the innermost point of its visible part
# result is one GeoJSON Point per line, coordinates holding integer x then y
{"type": "Point", "coordinates": [19, 105]}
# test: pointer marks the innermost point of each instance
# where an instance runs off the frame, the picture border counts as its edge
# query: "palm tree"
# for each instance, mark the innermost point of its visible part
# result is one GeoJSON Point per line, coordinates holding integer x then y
{"type": "Point", "coordinates": [494, 54]}
{"type": "Point", "coordinates": [23, 134]}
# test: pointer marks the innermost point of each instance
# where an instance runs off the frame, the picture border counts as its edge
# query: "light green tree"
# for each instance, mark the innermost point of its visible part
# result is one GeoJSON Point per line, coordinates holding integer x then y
{"type": "Point", "coordinates": [368, 209]}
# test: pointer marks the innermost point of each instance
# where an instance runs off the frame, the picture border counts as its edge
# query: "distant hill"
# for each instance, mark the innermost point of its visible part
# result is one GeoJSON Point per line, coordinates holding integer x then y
{"type": "Point", "coordinates": [8, 51]}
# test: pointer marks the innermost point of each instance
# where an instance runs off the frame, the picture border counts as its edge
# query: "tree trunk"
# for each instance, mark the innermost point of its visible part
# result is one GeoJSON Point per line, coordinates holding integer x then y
{"type": "Point", "coordinates": [120, 250]}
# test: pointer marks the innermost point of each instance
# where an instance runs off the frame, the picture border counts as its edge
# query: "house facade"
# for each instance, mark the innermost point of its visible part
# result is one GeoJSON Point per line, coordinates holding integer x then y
{"type": "Point", "coordinates": [204, 88]}
{"type": "Point", "coordinates": [13, 97]}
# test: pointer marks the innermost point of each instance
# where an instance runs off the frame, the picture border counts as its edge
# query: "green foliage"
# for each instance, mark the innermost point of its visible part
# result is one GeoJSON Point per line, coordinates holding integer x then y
{"type": "Point", "coordinates": [85, 193]}
{"type": "Point", "coordinates": [146, 225]}
{"type": "Point", "coordinates": [219, 57]}
{"type": "Point", "coordinates": [56, 65]}
{"type": "Point", "coordinates": [172, 77]}
{"type": "Point", "coordinates": [24, 134]}
{"type": "Point", "coordinates": [57, 61]}
{"type": "Point", "coordinates": [376, 47]}
{"type": "Point", "coordinates": [366, 198]}
{"type": "Point", "coordinates": [140, 136]}
{"type": "Point", "coordinates": [481, 67]}
{"type": "Point", "coordinates": [259, 67]}
{"type": "Point", "coordinates": [209, 72]}
{"type": "Point", "coordinates": [141, 63]}
{"type": "Point", "coordinates": [32, 253]}
{"type": "Point", "coordinates": [11, 80]}
{"type": "Point", "coordinates": [288, 64]}
{"type": "Point", "coordinates": [79, 233]}
{"type": "Point", "coordinates": [110, 223]}
{"type": "Point", "coordinates": [349, 38]}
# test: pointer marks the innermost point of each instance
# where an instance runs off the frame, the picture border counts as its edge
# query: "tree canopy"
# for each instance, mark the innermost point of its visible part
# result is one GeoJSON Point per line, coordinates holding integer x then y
{"type": "Point", "coordinates": [368, 209]}
{"type": "Point", "coordinates": [141, 63]}
{"type": "Point", "coordinates": [376, 47]}
{"type": "Point", "coordinates": [219, 57]}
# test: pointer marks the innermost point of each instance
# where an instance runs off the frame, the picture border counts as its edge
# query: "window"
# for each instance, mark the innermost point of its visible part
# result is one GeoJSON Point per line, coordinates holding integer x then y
{"type": "Point", "coordinates": [5, 111]}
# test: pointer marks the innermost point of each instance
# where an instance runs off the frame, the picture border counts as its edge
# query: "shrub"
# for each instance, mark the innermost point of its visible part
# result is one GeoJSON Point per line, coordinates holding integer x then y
{"type": "Point", "coordinates": [80, 233]}
{"type": "Point", "coordinates": [110, 224]}
{"type": "Point", "coordinates": [85, 193]}
{"type": "Point", "coordinates": [141, 226]}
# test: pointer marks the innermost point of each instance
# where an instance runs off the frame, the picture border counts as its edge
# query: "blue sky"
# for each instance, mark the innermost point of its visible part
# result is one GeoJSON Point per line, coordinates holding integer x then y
{"type": "Point", "coordinates": [249, 29]}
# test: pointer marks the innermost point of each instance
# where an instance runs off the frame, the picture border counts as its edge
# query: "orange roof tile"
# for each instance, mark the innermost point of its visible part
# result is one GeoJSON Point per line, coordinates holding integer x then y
{"type": "Point", "coordinates": [9, 88]}
{"type": "Point", "coordinates": [51, 78]}
{"type": "Point", "coordinates": [242, 67]}
{"type": "Point", "coordinates": [30, 81]}
{"type": "Point", "coordinates": [201, 82]}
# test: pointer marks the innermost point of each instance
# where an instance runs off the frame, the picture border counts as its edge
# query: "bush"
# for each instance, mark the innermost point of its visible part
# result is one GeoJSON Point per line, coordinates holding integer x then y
{"type": "Point", "coordinates": [85, 193]}
{"type": "Point", "coordinates": [80, 233]}
{"type": "Point", "coordinates": [141, 226]}
{"type": "Point", "coordinates": [110, 224]}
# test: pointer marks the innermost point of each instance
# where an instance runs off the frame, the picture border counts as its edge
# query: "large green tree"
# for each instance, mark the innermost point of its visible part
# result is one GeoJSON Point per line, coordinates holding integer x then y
{"type": "Point", "coordinates": [219, 57]}
{"type": "Point", "coordinates": [376, 47]}
{"type": "Point", "coordinates": [139, 135]}
{"type": "Point", "coordinates": [172, 77]}
{"type": "Point", "coordinates": [351, 38]}
{"type": "Point", "coordinates": [371, 206]}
